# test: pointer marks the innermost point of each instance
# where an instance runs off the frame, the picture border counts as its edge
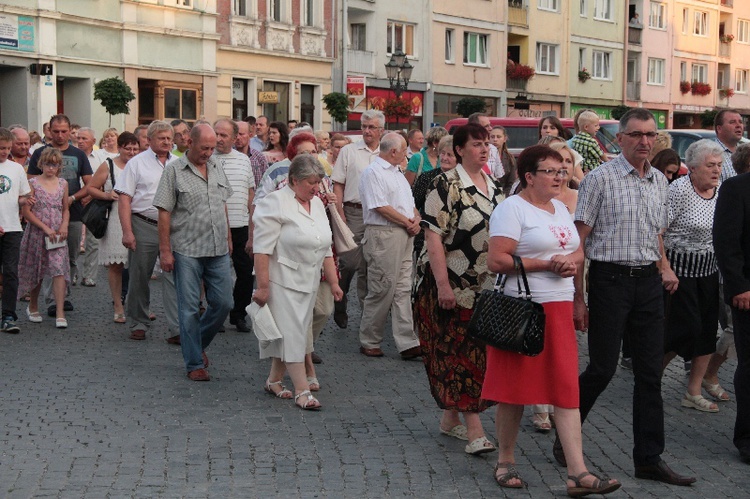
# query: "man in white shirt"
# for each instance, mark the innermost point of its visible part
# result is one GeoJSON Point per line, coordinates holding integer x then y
{"type": "Point", "coordinates": [239, 173]}
{"type": "Point", "coordinates": [391, 222]}
{"type": "Point", "coordinates": [138, 216]}
{"type": "Point", "coordinates": [351, 162]}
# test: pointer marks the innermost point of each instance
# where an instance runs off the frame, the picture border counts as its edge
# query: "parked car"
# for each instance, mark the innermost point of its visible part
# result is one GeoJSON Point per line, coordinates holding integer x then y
{"type": "Point", "coordinates": [523, 132]}
{"type": "Point", "coordinates": [682, 138]}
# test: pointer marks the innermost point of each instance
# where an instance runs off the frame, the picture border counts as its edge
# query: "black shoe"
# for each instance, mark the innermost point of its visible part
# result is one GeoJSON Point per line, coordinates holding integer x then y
{"type": "Point", "coordinates": [341, 319]}
{"type": "Point", "coordinates": [662, 473]}
{"type": "Point", "coordinates": [315, 358]}
{"type": "Point", "coordinates": [241, 326]}
{"type": "Point", "coordinates": [559, 453]}
{"type": "Point", "coordinates": [67, 306]}
{"type": "Point", "coordinates": [745, 455]}
{"type": "Point", "coordinates": [52, 311]}
{"type": "Point", "coordinates": [222, 329]}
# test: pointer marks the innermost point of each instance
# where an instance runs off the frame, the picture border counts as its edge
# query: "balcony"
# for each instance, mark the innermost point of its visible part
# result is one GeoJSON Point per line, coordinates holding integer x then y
{"type": "Point", "coordinates": [727, 3]}
{"type": "Point", "coordinates": [633, 90]}
{"type": "Point", "coordinates": [360, 62]}
{"type": "Point", "coordinates": [634, 34]}
{"type": "Point", "coordinates": [516, 84]}
{"type": "Point", "coordinates": [725, 49]}
{"type": "Point", "coordinates": [517, 15]}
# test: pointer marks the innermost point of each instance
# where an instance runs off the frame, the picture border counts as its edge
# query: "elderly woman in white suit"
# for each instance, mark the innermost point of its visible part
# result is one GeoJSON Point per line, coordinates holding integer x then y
{"type": "Point", "coordinates": [291, 241]}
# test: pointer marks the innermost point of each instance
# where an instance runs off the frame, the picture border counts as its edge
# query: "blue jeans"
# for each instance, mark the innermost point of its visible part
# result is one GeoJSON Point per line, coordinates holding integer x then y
{"type": "Point", "coordinates": [196, 330]}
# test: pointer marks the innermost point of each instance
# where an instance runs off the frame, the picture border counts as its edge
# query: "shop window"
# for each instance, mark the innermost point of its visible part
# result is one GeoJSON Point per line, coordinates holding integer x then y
{"type": "Point", "coordinates": [168, 100]}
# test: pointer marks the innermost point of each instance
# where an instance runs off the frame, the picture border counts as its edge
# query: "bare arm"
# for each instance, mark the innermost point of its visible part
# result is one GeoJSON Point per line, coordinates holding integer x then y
{"type": "Point", "coordinates": [411, 225]}
{"type": "Point", "coordinates": [329, 270]}
{"type": "Point", "coordinates": [260, 295]}
{"type": "Point", "coordinates": [123, 209]}
{"type": "Point", "coordinates": [338, 189]}
{"type": "Point", "coordinates": [580, 311]}
{"type": "Point", "coordinates": [668, 278]}
{"type": "Point", "coordinates": [439, 268]}
{"type": "Point", "coordinates": [410, 177]}
{"type": "Point", "coordinates": [165, 245]}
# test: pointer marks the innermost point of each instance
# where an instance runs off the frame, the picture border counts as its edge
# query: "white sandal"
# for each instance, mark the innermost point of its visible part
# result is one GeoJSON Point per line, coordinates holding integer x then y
{"type": "Point", "coordinates": [283, 394]}
{"type": "Point", "coordinates": [313, 383]}
{"type": "Point", "coordinates": [715, 390]}
{"type": "Point", "coordinates": [479, 446]}
{"type": "Point", "coordinates": [699, 403]}
{"type": "Point", "coordinates": [310, 400]}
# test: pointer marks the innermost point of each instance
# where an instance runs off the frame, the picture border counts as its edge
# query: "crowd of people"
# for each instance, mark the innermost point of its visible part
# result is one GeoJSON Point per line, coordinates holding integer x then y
{"type": "Point", "coordinates": [240, 212]}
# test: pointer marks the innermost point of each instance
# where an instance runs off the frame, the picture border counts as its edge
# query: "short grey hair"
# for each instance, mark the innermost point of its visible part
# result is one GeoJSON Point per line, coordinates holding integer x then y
{"type": "Point", "coordinates": [741, 159]}
{"type": "Point", "coordinates": [636, 113]}
{"type": "Point", "coordinates": [390, 142]}
{"type": "Point", "coordinates": [233, 125]}
{"type": "Point", "coordinates": [434, 135]}
{"type": "Point", "coordinates": [299, 129]}
{"type": "Point", "coordinates": [698, 151]}
{"type": "Point", "coordinates": [158, 126]}
{"type": "Point", "coordinates": [89, 130]}
{"type": "Point", "coordinates": [304, 166]}
{"type": "Point", "coordinates": [374, 115]}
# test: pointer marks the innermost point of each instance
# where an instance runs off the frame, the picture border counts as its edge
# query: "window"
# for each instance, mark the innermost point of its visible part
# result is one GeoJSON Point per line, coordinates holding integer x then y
{"type": "Point", "coordinates": [581, 59]}
{"type": "Point", "coordinates": [700, 73]}
{"type": "Point", "coordinates": [475, 49]}
{"type": "Point", "coordinates": [740, 81]}
{"type": "Point", "coordinates": [546, 58]}
{"type": "Point", "coordinates": [685, 21]}
{"type": "Point", "coordinates": [358, 39]}
{"type": "Point", "coordinates": [655, 71]}
{"type": "Point", "coordinates": [167, 100]}
{"type": "Point", "coordinates": [276, 10]}
{"type": "Point", "coordinates": [657, 16]}
{"type": "Point", "coordinates": [600, 66]}
{"type": "Point", "coordinates": [308, 12]}
{"type": "Point", "coordinates": [584, 8]}
{"type": "Point", "coordinates": [240, 7]}
{"type": "Point", "coordinates": [743, 31]}
{"type": "Point", "coordinates": [603, 10]}
{"type": "Point", "coordinates": [400, 36]}
{"type": "Point", "coordinates": [683, 71]}
{"type": "Point", "coordinates": [549, 5]}
{"type": "Point", "coordinates": [701, 23]}
{"type": "Point", "coordinates": [449, 45]}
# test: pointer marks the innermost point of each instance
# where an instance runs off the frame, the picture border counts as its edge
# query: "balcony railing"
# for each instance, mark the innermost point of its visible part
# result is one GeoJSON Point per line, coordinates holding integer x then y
{"type": "Point", "coordinates": [725, 49]}
{"type": "Point", "coordinates": [633, 90]}
{"type": "Point", "coordinates": [634, 35]}
{"type": "Point", "coordinates": [361, 62]}
{"type": "Point", "coordinates": [518, 16]}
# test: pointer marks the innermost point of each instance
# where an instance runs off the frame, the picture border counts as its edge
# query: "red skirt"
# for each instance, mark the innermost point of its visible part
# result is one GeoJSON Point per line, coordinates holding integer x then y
{"type": "Point", "coordinates": [549, 378]}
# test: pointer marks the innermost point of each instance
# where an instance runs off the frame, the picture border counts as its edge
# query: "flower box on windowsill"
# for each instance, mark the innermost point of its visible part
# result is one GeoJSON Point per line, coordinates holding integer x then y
{"type": "Point", "coordinates": [699, 88]}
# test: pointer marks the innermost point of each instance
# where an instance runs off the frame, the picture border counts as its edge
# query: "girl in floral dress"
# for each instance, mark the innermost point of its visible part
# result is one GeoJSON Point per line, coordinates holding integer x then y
{"type": "Point", "coordinates": [47, 218]}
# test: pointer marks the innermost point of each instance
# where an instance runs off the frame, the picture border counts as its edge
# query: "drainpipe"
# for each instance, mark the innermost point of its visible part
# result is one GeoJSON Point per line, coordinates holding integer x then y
{"type": "Point", "coordinates": [344, 51]}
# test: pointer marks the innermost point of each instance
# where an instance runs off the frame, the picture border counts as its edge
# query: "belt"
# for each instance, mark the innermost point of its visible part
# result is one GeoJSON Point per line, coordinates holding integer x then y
{"type": "Point", "coordinates": [145, 219]}
{"type": "Point", "coordinates": [353, 205]}
{"type": "Point", "coordinates": [626, 270]}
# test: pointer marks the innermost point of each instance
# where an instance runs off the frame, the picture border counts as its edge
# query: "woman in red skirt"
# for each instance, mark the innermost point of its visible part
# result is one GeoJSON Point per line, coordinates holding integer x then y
{"type": "Point", "coordinates": [539, 229]}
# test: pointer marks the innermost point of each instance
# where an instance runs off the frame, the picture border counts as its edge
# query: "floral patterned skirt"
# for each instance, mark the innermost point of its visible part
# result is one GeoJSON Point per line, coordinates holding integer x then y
{"type": "Point", "coordinates": [455, 364]}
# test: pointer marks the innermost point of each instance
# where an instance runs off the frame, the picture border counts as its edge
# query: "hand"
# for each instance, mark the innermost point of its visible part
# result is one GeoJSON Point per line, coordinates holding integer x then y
{"type": "Point", "coordinates": [30, 201]}
{"type": "Point", "coordinates": [563, 265]}
{"type": "Point", "coordinates": [86, 200]}
{"type": "Point", "coordinates": [337, 292]}
{"type": "Point", "coordinates": [413, 227]}
{"type": "Point", "coordinates": [2, 231]}
{"type": "Point", "coordinates": [113, 195]}
{"type": "Point", "coordinates": [128, 240]}
{"type": "Point", "coordinates": [249, 246]}
{"type": "Point", "coordinates": [166, 259]}
{"type": "Point", "coordinates": [669, 280]}
{"type": "Point", "coordinates": [331, 197]}
{"type": "Point", "coordinates": [63, 233]}
{"type": "Point", "coordinates": [231, 246]}
{"type": "Point", "coordinates": [580, 315]}
{"type": "Point", "coordinates": [71, 200]}
{"type": "Point", "coordinates": [51, 234]}
{"type": "Point", "coordinates": [260, 296]}
{"type": "Point", "coordinates": [446, 297]}
{"type": "Point", "coordinates": [742, 301]}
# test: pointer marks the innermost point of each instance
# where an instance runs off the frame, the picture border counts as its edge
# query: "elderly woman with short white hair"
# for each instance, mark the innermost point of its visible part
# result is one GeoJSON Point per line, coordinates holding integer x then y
{"type": "Point", "coordinates": [692, 311]}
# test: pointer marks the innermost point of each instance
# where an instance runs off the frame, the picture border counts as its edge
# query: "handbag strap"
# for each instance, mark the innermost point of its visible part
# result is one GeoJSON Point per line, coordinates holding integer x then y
{"type": "Point", "coordinates": [111, 171]}
{"type": "Point", "coordinates": [520, 274]}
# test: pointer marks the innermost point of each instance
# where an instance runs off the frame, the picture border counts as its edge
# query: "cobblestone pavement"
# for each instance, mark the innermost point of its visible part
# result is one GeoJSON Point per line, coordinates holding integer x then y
{"type": "Point", "coordinates": [86, 412]}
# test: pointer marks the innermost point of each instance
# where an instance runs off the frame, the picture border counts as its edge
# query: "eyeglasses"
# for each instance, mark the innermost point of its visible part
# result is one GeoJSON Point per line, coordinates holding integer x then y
{"type": "Point", "coordinates": [551, 172]}
{"type": "Point", "coordinates": [640, 135]}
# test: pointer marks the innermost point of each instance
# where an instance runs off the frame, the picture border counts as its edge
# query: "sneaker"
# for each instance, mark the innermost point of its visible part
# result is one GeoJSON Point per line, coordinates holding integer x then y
{"type": "Point", "coordinates": [89, 283]}
{"type": "Point", "coordinates": [8, 325]}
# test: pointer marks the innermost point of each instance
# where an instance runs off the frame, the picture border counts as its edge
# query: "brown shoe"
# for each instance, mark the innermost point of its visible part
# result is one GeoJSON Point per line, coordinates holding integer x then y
{"type": "Point", "coordinates": [371, 352]}
{"type": "Point", "coordinates": [411, 353]}
{"type": "Point", "coordinates": [205, 359]}
{"type": "Point", "coordinates": [199, 375]}
{"type": "Point", "coordinates": [315, 358]}
{"type": "Point", "coordinates": [174, 340]}
{"type": "Point", "coordinates": [138, 334]}
{"type": "Point", "coordinates": [662, 473]}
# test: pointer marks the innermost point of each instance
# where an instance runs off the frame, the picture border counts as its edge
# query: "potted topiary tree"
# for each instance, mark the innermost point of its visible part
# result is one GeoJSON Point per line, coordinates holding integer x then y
{"type": "Point", "coordinates": [115, 95]}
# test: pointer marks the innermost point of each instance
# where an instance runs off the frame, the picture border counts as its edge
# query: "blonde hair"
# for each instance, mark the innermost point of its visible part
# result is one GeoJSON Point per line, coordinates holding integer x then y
{"type": "Point", "coordinates": [48, 155]}
{"type": "Point", "coordinates": [559, 146]}
{"type": "Point", "coordinates": [587, 118]}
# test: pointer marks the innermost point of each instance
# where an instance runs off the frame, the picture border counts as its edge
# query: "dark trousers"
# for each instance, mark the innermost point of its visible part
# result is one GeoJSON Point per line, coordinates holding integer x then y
{"type": "Point", "coordinates": [10, 246]}
{"type": "Point", "coordinates": [742, 378]}
{"type": "Point", "coordinates": [243, 268]}
{"type": "Point", "coordinates": [621, 305]}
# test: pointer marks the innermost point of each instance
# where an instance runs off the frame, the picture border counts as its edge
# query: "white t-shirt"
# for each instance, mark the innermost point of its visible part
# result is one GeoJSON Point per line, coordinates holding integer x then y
{"type": "Point", "coordinates": [13, 183]}
{"type": "Point", "coordinates": [541, 235]}
{"type": "Point", "coordinates": [239, 172]}
{"type": "Point", "coordinates": [139, 180]}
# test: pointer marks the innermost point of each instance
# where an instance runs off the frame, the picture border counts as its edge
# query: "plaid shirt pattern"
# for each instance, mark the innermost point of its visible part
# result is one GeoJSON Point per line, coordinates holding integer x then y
{"type": "Point", "coordinates": [587, 146]}
{"type": "Point", "coordinates": [259, 164]}
{"type": "Point", "coordinates": [727, 168]}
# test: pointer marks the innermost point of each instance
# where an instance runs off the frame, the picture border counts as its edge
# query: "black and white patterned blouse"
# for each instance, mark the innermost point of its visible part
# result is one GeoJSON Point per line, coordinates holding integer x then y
{"type": "Point", "coordinates": [688, 239]}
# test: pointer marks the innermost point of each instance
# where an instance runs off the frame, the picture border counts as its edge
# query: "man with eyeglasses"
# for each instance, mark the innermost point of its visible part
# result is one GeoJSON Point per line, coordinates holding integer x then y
{"type": "Point", "coordinates": [620, 217]}
{"type": "Point", "coordinates": [181, 134]}
{"type": "Point", "coordinates": [353, 159]}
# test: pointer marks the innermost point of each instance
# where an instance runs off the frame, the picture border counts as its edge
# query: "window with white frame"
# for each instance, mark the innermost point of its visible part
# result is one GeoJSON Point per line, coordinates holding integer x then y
{"type": "Point", "coordinates": [600, 65]}
{"type": "Point", "coordinates": [683, 71]}
{"type": "Point", "coordinates": [240, 8]}
{"type": "Point", "coordinates": [603, 10]}
{"type": "Point", "coordinates": [276, 10]}
{"type": "Point", "coordinates": [547, 58]}
{"type": "Point", "coordinates": [701, 23]}
{"type": "Point", "coordinates": [685, 21]}
{"type": "Point", "coordinates": [743, 31]}
{"type": "Point", "coordinates": [655, 71]}
{"type": "Point", "coordinates": [449, 39]}
{"type": "Point", "coordinates": [475, 49]}
{"type": "Point", "coordinates": [700, 73]}
{"type": "Point", "coordinates": [657, 17]}
{"type": "Point", "coordinates": [358, 36]}
{"type": "Point", "coordinates": [309, 12]}
{"type": "Point", "coordinates": [549, 5]}
{"type": "Point", "coordinates": [740, 81]}
{"type": "Point", "coordinates": [400, 36]}
{"type": "Point", "coordinates": [584, 8]}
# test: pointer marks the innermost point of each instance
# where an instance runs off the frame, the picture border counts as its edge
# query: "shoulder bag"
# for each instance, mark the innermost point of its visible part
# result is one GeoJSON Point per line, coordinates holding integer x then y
{"type": "Point", "coordinates": [515, 324]}
{"type": "Point", "coordinates": [95, 215]}
{"type": "Point", "coordinates": [343, 237]}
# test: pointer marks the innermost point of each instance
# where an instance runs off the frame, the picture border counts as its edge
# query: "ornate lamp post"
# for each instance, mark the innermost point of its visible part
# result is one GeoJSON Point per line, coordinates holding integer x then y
{"type": "Point", "coordinates": [398, 70]}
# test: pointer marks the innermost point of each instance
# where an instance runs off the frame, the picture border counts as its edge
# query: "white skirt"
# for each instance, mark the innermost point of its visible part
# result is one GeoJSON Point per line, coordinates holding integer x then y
{"type": "Point", "coordinates": [293, 313]}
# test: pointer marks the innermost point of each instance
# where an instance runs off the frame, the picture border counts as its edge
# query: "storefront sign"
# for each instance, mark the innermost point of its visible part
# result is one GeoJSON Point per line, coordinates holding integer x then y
{"type": "Point", "coordinates": [535, 110]}
{"type": "Point", "coordinates": [356, 89]}
{"type": "Point", "coordinates": [661, 118]}
{"type": "Point", "coordinates": [604, 113]}
{"type": "Point", "coordinates": [17, 33]}
{"type": "Point", "coordinates": [268, 97]}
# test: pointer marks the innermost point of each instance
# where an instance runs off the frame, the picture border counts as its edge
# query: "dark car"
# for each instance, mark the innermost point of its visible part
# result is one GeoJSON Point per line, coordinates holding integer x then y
{"type": "Point", "coordinates": [681, 139]}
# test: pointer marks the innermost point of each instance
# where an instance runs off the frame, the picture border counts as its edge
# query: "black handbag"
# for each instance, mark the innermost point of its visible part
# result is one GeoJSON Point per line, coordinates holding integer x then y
{"type": "Point", "coordinates": [95, 215]}
{"type": "Point", "coordinates": [515, 324]}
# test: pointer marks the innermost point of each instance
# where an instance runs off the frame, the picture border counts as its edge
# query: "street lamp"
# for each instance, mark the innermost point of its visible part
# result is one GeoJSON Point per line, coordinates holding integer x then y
{"type": "Point", "coordinates": [398, 70]}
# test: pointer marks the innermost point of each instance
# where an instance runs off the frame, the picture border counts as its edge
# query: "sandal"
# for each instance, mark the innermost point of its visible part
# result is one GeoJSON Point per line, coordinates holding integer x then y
{"type": "Point", "coordinates": [599, 486]}
{"type": "Point", "coordinates": [700, 403]}
{"type": "Point", "coordinates": [459, 431]}
{"type": "Point", "coordinates": [510, 473]}
{"type": "Point", "coordinates": [119, 318]}
{"type": "Point", "coordinates": [310, 400]}
{"type": "Point", "coordinates": [313, 383]}
{"type": "Point", "coordinates": [33, 316]}
{"type": "Point", "coordinates": [541, 422]}
{"type": "Point", "coordinates": [715, 390]}
{"type": "Point", "coordinates": [282, 394]}
{"type": "Point", "coordinates": [479, 446]}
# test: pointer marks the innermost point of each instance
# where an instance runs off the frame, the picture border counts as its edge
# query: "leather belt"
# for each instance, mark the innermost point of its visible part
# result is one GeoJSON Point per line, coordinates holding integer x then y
{"type": "Point", "coordinates": [353, 205]}
{"type": "Point", "coordinates": [146, 219]}
{"type": "Point", "coordinates": [626, 270]}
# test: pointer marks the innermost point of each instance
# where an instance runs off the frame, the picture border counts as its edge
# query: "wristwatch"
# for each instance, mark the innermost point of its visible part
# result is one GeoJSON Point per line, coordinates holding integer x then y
{"type": "Point", "coordinates": [73, 197]}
